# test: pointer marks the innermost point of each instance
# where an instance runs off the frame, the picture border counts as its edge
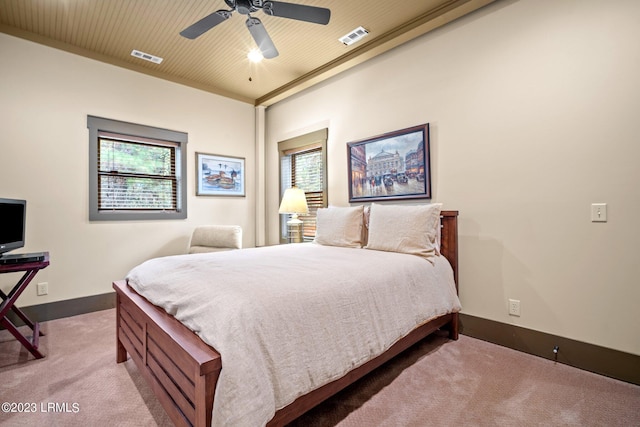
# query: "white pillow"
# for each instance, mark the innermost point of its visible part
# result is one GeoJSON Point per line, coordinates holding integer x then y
{"type": "Point", "coordinates": [339, 227]}
{"type": "Point", "coordinates": [405, 229]}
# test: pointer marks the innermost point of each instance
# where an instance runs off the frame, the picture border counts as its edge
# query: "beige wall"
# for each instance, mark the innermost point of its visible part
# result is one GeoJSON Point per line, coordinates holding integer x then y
{"type": "Point", "coordinates": [533, 107]}
{"type": "Point", "coordinates": [45, 97]}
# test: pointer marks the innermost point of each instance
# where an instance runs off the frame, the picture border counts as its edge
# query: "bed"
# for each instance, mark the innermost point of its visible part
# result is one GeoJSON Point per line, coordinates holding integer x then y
{"type": "Point", "coordinates": [183, 370]}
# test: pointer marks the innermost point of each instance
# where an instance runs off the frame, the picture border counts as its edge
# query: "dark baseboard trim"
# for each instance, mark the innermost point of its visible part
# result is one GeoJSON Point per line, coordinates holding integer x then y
{"type": "Point", "coordinates": [601, 360]}
{"type": "Point", "coordinates": [66, 308]}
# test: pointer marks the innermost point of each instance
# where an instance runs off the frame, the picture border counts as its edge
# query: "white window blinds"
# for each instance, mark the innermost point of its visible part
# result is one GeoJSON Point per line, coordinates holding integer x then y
{"type": "Point", "coordinates": [136, 173]}
{"type": "Point", "coordinates": [303, 165]}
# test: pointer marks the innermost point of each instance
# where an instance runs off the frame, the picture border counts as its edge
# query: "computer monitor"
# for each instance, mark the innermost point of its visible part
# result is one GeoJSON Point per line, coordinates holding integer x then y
{"type": "Point", "coordinates": [13, 215]}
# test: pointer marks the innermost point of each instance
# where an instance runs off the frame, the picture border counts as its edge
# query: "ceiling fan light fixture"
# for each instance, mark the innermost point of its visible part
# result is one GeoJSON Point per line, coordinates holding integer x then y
{"type": "Point", "coordinates": [354, 36]}
{"type": "Point", "coordinates": [255, 55]}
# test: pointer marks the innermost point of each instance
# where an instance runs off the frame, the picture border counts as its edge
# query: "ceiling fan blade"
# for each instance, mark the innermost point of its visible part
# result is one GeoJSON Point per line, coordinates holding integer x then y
{"type": "Point", "coordinates": [316, 15]}
{"type": "Point", "coordinates": [262, 38]}
{"type": "Point", "coordinates": [205, 24]}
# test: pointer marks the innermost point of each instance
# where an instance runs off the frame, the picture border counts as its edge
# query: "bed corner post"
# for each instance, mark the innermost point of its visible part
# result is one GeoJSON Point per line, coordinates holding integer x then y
{"type": "Point", "coordinates": [205, 388]}
{"type": "Point", "coordinates": [454, 327]}
{"type": "Point", "coordinates": [449, 240]}
{"type": "Point", "coordinates": [449, 248]}
{"type": "Point", "coordinates": [121, 352]}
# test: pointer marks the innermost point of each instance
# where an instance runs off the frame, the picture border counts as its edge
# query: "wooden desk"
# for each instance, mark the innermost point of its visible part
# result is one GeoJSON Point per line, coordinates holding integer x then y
{"type": "Point", "coordinates": [9, 300]}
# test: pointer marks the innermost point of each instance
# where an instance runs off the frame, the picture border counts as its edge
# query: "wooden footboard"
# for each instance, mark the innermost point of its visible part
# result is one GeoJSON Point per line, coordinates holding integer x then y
{"type": "Point", "coordinates": [182, 370]}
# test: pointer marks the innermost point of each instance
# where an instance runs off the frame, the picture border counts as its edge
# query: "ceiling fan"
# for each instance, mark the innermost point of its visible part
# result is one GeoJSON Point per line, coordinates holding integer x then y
{"type": "Point", "coordinates": [316, 15]}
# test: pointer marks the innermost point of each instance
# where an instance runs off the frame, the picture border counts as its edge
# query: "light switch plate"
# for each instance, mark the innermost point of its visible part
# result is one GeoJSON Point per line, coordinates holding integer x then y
{"type": "Point", "coordinates": [598, 212]}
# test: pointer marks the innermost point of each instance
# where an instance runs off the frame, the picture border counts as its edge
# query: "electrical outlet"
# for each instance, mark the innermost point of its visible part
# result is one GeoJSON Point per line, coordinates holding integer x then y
{"type": "Point", "coordinates": [514, 307]}
{"type": "Point", "coordinates": [43, 288]}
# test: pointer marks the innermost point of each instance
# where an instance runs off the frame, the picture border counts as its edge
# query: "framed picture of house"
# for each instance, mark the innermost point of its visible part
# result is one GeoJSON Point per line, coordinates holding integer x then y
{"type": "Point", "coordinates": [391, 166]}
{"type": "Point", "coordinates": [219, 175]}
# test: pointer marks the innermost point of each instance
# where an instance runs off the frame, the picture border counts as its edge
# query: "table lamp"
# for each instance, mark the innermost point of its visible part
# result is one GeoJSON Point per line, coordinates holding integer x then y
{"type": "Point", "coordinates": [294, 202]}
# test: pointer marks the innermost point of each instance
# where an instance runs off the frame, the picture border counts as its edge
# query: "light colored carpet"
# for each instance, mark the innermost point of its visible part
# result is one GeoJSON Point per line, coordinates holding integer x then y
{"type": "Point", "coordinates": [436, 383]}
{"type": "Point", "coordinates": [79, 368]}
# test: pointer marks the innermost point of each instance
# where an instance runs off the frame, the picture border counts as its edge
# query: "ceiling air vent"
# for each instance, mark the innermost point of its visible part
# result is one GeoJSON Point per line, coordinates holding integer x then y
{"type": "Point", "coordinates": [354, 36]}
{"type": "Point", "coordinates": [146, 56]}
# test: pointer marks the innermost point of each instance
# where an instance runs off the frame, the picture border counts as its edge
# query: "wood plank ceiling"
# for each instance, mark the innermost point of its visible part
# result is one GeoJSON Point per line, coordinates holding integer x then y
{"type": "Point", "coordinates": [108, 30]}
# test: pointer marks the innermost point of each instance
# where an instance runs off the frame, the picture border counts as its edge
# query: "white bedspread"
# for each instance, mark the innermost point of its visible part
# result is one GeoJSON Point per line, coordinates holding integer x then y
{"type": "Point", "coordinates": [287, 319]}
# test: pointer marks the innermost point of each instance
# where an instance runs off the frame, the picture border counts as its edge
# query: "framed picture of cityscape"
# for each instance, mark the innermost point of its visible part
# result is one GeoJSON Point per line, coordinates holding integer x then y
{"type": "Point", "coordinates": [391, 166]}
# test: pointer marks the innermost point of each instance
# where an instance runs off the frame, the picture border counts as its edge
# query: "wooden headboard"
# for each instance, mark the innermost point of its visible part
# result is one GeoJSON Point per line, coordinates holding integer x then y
{"type": "Point", "coordinates": [449, 240]}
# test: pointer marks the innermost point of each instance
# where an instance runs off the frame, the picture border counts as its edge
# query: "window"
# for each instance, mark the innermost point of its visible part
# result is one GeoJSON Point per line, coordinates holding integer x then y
{"type": "Point", "coordinates": [303, 163]}
{"type": "Point", "coordinates": [136, 172]}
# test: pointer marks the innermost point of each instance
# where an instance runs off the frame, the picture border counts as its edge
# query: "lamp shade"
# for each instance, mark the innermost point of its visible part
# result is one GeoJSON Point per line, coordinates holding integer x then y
{"type": "Point", "coordinates": [293, 202]}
